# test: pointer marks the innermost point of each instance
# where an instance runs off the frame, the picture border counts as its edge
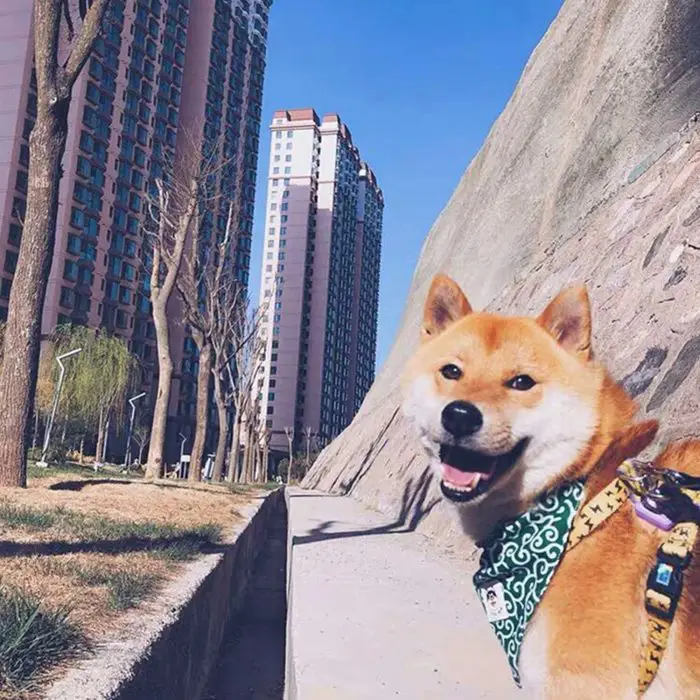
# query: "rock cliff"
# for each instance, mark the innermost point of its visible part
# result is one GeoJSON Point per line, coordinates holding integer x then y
{"type": "Point", "coordinates": [590, 175]}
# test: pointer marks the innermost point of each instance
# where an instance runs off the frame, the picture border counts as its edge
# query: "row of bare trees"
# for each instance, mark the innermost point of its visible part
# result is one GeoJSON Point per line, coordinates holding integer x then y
{"type": "Point", "coordinates": [179, 254]}
{"type": "Point", "coordinates": [188, 258]}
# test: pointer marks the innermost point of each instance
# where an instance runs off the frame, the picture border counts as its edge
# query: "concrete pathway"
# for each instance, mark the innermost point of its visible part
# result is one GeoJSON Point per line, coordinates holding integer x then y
{"type": "Point", "coordinates": [377, 613]}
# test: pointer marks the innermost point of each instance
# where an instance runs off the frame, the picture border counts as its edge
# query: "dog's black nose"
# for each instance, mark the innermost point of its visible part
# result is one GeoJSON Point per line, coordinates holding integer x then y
{"type": "Point", "coordinates": [460, 418]}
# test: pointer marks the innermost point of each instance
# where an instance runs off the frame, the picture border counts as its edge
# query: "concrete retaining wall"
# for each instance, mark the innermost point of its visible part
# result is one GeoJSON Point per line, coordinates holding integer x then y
{"type": "Point", "coordinates": [167, 649]}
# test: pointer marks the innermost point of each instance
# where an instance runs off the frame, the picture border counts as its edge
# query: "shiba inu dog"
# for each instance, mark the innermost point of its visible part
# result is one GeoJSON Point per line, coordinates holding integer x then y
{"type": "Point", "coordinates": [510, 408]}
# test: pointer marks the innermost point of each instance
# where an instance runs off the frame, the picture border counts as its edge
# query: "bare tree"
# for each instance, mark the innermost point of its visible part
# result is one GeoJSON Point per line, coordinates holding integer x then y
{"type": "Point", "coordinates": [211, 294]}
{"type": "Point", "coordinates": [243, 370]}
{"type": "Point", "coordinates": [172, 211]}
{"type": "Point", "coordinates": [141, 436]}
{"type": "Point", "coordinates": [47, 143]}
{"type": "Point", "coordinates": [227, 304]}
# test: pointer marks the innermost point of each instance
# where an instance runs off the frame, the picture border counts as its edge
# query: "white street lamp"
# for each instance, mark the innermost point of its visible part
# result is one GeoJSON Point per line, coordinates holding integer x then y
{"type": "Point", "coordinates": [54, 407]}
{"type": "Point", "coordinates": [132, 403]}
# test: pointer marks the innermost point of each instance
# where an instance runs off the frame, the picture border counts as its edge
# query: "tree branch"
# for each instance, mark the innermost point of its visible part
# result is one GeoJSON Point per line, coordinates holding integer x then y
{"type": "Point", "coordinates": [92, 26]}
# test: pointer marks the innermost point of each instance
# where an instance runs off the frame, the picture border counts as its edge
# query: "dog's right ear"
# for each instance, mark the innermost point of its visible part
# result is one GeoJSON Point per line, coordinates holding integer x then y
{"type": "Point", "coordinates": [445, 304]}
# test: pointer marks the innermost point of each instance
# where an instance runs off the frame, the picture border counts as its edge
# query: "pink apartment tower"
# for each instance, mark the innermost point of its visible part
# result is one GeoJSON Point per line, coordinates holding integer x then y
{"type": "Point", "coordinates": [319, 279]}
{"type": "Point", "coordinates": [159, 68]}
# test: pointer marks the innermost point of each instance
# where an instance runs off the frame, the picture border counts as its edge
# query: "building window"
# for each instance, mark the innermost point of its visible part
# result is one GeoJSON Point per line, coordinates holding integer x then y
{"type": "Point", "coordinates": [289, 146]}
{"type": "Point", "coordinates": [287, 158]}
{"type": "Point", "coordinates": [287, 171]}
{"type": "Point", "coordinates": [277, 159]}
{"type": "Point", "coordinates": [5, 288]}
{"type": "Point", "coordinates": [10, 261]}
{"type": "Point", "coordinates": [70, 271]}
{"type": "Point", "coordinates": [15, 236]}
{"type": "Point", "coordinates": [270, 410]}
{"type": "Point", "coordinates": [121, 319]}
{"type": "Point", "coordinates": [271, 396]}
{"type": "Point", "coordinates": [67, 298]}
{"type": "Point", "coordinates": [290, 134]}
{"type": "Point", "coordinates": [275, 171]}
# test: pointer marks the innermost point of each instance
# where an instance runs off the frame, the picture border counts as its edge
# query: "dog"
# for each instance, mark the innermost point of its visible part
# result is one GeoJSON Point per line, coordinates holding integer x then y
{"type": "Point", "coordinates": [510, 408]}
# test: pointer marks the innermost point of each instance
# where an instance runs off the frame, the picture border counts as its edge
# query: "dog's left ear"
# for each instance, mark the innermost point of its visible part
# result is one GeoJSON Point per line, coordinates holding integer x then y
{"type": "Point", "coordinates": [568, 320]}
{"type": "Point", "coordinates": [445, 304]}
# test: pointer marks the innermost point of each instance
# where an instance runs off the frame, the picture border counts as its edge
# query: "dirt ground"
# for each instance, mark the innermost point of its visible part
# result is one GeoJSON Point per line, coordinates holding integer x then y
{"type": "Point", "coordinates": [97, 546]}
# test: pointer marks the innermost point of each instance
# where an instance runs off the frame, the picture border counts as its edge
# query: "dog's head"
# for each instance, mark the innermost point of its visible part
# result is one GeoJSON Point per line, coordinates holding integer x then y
{"type": "Point", "coordinates": [504, 405]}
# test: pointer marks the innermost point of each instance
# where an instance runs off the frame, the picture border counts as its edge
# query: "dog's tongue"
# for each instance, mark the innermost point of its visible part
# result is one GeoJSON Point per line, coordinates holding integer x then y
{"type": "Point", "coordinates": [458, 477]}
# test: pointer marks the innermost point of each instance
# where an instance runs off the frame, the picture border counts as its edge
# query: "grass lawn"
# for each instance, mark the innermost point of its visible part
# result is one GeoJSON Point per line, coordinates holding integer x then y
{"type": "Point", "coordinates": [77, 548]}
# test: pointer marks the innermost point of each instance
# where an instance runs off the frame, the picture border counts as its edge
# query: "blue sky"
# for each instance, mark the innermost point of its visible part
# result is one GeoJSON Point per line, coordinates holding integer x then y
{"type": "Point", "coordinates": [418, 83]}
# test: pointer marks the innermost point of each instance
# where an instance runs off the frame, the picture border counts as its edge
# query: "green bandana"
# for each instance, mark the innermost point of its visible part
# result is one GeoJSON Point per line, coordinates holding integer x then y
{"type": "Point", "coordinates": [518, 562]}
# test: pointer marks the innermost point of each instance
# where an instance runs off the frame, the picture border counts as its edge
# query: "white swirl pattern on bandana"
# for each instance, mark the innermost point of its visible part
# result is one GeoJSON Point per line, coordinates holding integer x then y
{"type": "Point", "coordinates": [522, 554]}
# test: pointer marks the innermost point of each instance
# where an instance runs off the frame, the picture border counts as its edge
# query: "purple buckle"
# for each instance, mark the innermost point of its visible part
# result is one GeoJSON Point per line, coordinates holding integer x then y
{"type": "Point", "coordinates": [663, 522]}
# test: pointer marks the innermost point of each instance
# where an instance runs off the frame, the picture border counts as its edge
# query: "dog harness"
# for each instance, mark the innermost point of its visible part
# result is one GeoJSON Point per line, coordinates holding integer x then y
{"type": "Point", "coordinates": [521, 556]}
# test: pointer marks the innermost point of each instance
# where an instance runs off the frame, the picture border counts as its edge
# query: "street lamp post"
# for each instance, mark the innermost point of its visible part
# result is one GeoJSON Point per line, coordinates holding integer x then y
{"type": "Point", "coordinates": [289, 432]}
{"type": "Point", "coordinates": [182, 454]}
{"type": "Point", "coordinates": [132, 403]}
{"type": "Point", "coordinates": [54, 407]}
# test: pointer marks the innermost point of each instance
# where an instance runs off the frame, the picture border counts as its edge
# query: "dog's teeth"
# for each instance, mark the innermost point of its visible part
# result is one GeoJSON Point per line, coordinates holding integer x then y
{"type": "Point", "coordinates": [464, 489]}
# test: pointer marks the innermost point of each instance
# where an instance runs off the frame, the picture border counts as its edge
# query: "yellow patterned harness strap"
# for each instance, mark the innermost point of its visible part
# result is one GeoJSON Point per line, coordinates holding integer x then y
{"type": "Point", "coordinates": [597, 511]}
{"type": "Point", "coordinates": [665, 580]}
{"type": "Point", "coordinates": [664, 588]}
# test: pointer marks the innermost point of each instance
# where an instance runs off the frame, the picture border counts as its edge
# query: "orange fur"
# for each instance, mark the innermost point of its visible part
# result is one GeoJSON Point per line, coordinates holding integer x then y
{"type": "Point", "coordinates": [593, 614]}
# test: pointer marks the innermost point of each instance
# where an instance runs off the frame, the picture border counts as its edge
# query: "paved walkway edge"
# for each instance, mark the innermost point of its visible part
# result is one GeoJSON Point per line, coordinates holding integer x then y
{"type": "Point", "coordinates": [376, 610]}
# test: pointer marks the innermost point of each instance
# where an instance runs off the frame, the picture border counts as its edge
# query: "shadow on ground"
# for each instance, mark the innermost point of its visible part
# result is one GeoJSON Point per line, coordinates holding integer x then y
{"type": "Point", "coordinates": [414, 507]}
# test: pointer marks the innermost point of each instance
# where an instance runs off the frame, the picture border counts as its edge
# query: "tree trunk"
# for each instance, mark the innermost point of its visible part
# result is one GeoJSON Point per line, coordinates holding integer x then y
{"type": "Point", "coordinates": [47, 143]}
{"type": "Point", "coordinates": [250, 452]}
{"type": "Point", "coordinates": [223, 429]}
{"type": "Point", "coordinates": [201, 412]}
{"type": "Point", "coordinates": [246, 457]}
{"type": "Point", "coordinates": [20, 364]}
{"type": "Point", "coordinates": [35, 436]}
{"type": "Point", "coordinates": [258, 464]}
{"type": "Point", "coordinates": [154, 468]}
{"type": "Point", "coordinates": [266, 464]}
{"type": "Point", "coordinates": [100, 437]}
{"type": "Point", "coordinates": [82, 447]}
{"type": "Point", "coordinates": [234, 452]}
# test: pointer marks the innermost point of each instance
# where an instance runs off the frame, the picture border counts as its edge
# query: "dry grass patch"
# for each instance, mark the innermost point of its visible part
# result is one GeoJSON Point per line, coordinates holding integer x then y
{"type": "Point", "coordinates": [77, 551]}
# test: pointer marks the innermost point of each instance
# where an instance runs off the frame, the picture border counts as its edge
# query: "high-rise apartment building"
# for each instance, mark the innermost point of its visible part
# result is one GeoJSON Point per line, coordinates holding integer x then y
{"type": "Point", "coordinates": [320, 278]}
{"type": "Point", "coordinates": [160, 69]}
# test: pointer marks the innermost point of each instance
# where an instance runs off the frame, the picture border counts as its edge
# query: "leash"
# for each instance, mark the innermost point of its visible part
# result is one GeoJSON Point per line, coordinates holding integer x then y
{"type": "Point", "coordinates": [670, 501]}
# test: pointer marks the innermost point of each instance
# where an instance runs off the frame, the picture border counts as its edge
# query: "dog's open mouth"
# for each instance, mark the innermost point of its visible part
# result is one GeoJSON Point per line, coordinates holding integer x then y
{"type": "Point", "coordinates": [467, 474]}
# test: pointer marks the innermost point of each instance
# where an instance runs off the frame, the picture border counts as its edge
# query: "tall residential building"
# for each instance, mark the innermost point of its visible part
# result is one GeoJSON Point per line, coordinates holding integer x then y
{"type": "Point", "coordinates": [161, 67]}
{"type": "Point", "coordinates": [320, 278]}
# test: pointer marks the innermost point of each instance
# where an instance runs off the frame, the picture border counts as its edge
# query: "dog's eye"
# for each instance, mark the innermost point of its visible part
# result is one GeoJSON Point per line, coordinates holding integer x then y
{"type": "Point", "coordinates": [451, 372]}
{"type": "Point", "coordinates": [522, 382]}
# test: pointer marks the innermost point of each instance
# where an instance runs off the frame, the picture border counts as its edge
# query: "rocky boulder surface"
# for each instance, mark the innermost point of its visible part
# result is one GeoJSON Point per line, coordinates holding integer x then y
{"type": "Point", "coordinates": [591, 174]}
